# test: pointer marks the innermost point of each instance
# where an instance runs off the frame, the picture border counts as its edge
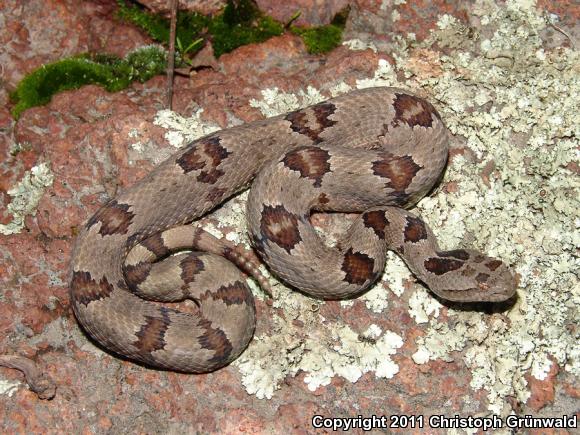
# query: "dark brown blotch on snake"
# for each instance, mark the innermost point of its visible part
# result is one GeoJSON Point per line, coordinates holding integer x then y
{"type": "Point", "coordinates": [460, 254]}
{"type": "Point", "coordinates": [206, 158]}
{"type": "Point", "coordinates": [231, 294]}
{"type": "Point", "coordinates": [151, 336]}
{"type": "Point", "coordinates": [191, 266]}
{"type": "Point", "coordinates": [310, 162]}
{"type": "Point", "coordinates": [156, 244]}
{"type": "Point", "coordinates": [92, 290]}
{"type": "Point", "coordinates": [114, 218]}
{"type": "Point", "coordinates": [137, 273]}
{"type": "Point", "coordinates": [313, 120]}
{"type": "Point", "coordinates": [493, 265]}
{"type": "Point", "coordinates": [377, 221]}
{"type": "Point", "coordinates": [415, 230]}
{"type": "Point", "coordinates": [399, 170]}
{"type": "Point", "coordinates": [280, 226]}
{"type": "Point", "coordinates": [440, 266]}
{"type": "Point", "coordinates": [357, 267]}
{"type": "Point", "coordinates": [215, 340]}
{"type": "Point", "coordinates": [413, 111]}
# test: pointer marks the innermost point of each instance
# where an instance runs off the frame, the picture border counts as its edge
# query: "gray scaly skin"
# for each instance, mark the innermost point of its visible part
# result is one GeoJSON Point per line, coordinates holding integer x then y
{"type": "Point", "coordinates": [375, 151]}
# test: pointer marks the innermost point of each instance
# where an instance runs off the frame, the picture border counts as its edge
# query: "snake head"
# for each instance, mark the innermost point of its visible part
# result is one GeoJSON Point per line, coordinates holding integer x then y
{"type": "Point", "coordinates": [466, 275]}
{"type": "Point", "coordinates": [497, 286]}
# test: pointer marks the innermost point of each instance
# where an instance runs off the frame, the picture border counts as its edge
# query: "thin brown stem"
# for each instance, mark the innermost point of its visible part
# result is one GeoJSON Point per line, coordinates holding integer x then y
{"type": "Point", "coordinates": [171, 54]}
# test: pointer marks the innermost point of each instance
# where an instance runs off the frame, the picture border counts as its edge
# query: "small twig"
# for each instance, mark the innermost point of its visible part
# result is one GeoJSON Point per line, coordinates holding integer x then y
{"type": "Point", "coordinates": [171, 54]}
{"type": "Point", "coordinates": [293, 18]}
{"type": "Point", "coordinates": [40, 383]}
{"type": "Point", "coordinates": [558, 29]}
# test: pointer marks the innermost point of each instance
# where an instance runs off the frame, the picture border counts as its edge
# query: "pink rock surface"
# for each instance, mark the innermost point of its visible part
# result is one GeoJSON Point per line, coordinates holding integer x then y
{"type": "Point", "coordinates": [206, 7]}
{"type": "Point", "coordinates": [84, 135]}
{"type": "Point", "coordinates": [312, 13]}
{"type": "Point", "coordinates": [35, 32]}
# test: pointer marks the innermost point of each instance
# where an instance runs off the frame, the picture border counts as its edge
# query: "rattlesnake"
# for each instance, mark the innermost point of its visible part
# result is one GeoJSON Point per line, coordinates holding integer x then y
{"type": "Point", "coordinates": [376, 151]}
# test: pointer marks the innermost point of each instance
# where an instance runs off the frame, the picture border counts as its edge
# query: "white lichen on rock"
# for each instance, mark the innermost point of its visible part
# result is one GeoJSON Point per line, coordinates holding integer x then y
{"type": "Point", "coordinates": [516, 106]}
{"type": "Point", "coordinates": [275, 102]}
{"type": "Point", "coordinates": [352, 356]}
{"type": "Point", "coordinates": [321, 349]}
{"type": "Point", "coordinates": [26, 195]}
{"type": "Point", "coordinates": [357, 44]}
{"type": "Point", "coordinates": [385, 75]}
{"type": "Point", "coordinates": [180, 129]}
{"type": "Point", "coordinates": [422, 305]}
{"type": "Point", "coordinates": [9, 387]}
{"type": "Point", "coordinates": [232, 214]}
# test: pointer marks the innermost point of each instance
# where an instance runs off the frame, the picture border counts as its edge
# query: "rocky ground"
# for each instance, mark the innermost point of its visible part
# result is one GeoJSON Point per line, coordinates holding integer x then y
{"type": "Point", "coordinates": [394, 351]}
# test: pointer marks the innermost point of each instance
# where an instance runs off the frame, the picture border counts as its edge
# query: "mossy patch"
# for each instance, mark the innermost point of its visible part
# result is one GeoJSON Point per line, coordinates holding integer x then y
{"type": "Point", "coordinates": [108, 71]}
{"type": "Point", "coordinates": [323, 39]}
{"type": "Point", "coordinates": [320, 39]}
{"type": "Point", "coordinates": [189, 25]}
{"type": "Point", "coordinates": [229, 33]}
{"type": "Point", "coordinates": [239, 24]}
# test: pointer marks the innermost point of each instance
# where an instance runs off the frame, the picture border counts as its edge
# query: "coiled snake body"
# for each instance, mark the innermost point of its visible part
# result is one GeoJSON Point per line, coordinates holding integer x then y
{"type": "Point", "coordinates": [376, 151]}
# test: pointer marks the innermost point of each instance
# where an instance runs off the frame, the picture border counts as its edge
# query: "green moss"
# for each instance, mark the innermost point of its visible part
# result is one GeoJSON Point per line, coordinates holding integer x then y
{"type": "Point", "coordinates": [108, 71]}
{"type": "Point", "coordinates": [239, 24]}
{"type": "Point", "coordinates": [320, 39]}
{"type": "Point", "coordinates": [156, 26]}
{"type": "Point", "coordinates": [188, 27]}
{"type": "Point", "coordinates": [228, 37]}
{"type": "Point", "coordinates": [145, 63]}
